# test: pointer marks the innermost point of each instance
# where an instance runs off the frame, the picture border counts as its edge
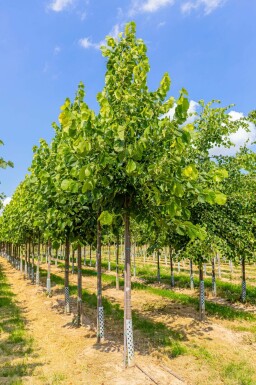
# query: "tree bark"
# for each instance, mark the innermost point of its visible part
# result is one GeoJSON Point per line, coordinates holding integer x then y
{"type": "Point", "coordinates": [191, 274]}
{"type": "Point", "coordinates": [214, 291]}
{"type": "Point", "coordinates": [38, 264]}
{"type": "Point", "coordinates": [79, 285]}
{"type": "Point", "coordinates": [171, 266]}
{"type": "Point", "coordinates": [48, 281]}
{"type": "Point", "coordinates": [158, 266]}
{"type": "Point", "coordinates": [67, 297]}
{"type": "Point", "coordinates": [243, 294]}
{"type": "Point", "coordinates": [100, 310]}
{"type": "Point", "coordinates": [117, 263]}
{"type": "Point", "coordinates": [128, 330]}
{"type": "Point", "coordinates": [201, 294]}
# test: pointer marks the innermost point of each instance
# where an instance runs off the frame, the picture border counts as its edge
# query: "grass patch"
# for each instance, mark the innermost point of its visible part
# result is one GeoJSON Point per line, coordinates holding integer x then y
{"type": "Point", "coordinates": [238, 374]}
{"type": "Point", "coordinates": [14, 345]}
{"type": "Point", "coordinates": [217, 310]}
{"type": "Point", "coordinates": [154, 334]}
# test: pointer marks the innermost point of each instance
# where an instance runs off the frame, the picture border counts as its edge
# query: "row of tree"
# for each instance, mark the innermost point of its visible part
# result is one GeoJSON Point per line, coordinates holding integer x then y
{"type": "Point", "coordinates": [132, 170]}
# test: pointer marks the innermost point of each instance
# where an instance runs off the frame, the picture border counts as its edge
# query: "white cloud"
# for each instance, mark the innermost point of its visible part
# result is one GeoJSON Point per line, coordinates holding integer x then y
{"type": "Point", "coordinates": [154, 5]}
{"type": "Point", "coordinates": [239, 138]}
{"type": "Point", "coordinates": [6, 201]}
{"type": "Point", "coordinates": [208, 5]}
{"type": "Point", "coordinates": [191, 110]}
{"type": "Point", "coordinates": [60, 5]}
{"type": "Point", "coordinates": [86, 43]}
{"type": "Point", "coordinates": [148, 6]}
{"type": "Point", "coordinates": [115, 31]}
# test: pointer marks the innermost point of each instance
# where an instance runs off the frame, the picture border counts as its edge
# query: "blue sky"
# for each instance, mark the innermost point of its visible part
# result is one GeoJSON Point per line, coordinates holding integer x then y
{"type": "Point", "coordinates": [48, 47]}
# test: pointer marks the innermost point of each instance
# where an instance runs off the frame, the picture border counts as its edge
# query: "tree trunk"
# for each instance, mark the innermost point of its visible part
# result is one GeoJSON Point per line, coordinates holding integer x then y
{"type": "Point", "coordinates": [201, 294]}
{"type": "Point", "coordinates": [128, 330]}
{"type": "Point", "coordinates": [29, 265]}
{"type": "Point", "coordinates": [90, 255]}
{"type": "Point", "coordinates": [84, 255]}
{"type": "Point", "coordinates": [26, 261]}
{"type": "Point", "coordinates": [243, 294]}
{"type": "Point", "coordinates": [48, 281]}
{"type": "Point", "coordinates": [158, 266]}
{"type": "Point", "coordinates": [21, 260]}
{"type": "Point", "coordinates": [67, 297]}
{"type": "Point", "coordinates": [38, 264]}
{"type": "Point", "coordinates": [219, 268]}
{"type": "Point", "coordinates": [117, 263]}
{"type": "Point", "coordinates": [214, 291]}
{"type": "Point", "coordinates": [134, 260]}
{"type": "Point", "coordinates": [56, 257]}
{"type": "Point", "coordinates": [73, 261]}
{"type": "Point", "coordinates": [79, 285]}
{"type": "Point", "coordinates": [109, 264]}
{"type": "Point", "coordinates": [191, 274]}
{"type": "Point", "coordinates": [33, 263]}
{"type": "Point", "coordinates": [171, 266]}
{"type": "Point", "coordinates": [100, 310]}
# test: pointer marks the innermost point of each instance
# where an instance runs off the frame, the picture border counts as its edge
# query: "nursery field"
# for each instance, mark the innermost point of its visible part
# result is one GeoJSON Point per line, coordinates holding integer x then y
{"type": "Point", "coordinates": [41, 345]}
{"type": "Point", "coordinates": [128, 249]}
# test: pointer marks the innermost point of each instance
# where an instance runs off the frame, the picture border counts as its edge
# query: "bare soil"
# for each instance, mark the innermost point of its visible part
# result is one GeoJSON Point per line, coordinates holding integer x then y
{"type": "Point", "coordinates": [66, 355]}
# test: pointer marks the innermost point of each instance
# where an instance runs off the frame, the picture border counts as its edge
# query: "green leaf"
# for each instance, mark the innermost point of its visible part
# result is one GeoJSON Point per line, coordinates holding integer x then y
{"type": "Point", "coordinates": [106, 218]}
{"type": "Point", "coordinates": [87, 186]}
{"type": "Point", "coordinates": [220, 198]}
{"type": "Point", "coordinates": [190, 172]}
{"type": "Point", "coordinates": [66, 184]}
{"type": "Point", "coordinates": [131, 167]}
{"type": "Point", "coordinates": [121, 132]}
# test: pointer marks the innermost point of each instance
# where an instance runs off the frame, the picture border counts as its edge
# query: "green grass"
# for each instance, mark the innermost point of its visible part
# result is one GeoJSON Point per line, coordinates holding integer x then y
{"type": "Point", "coordinates": [237, 374]}
{"type": "Point", "coordinates": [214, 309]}
{"type": "Point", "coordinates": [14, 344]}
{"type": "Point", "coordinates": [155, 334]}
{"type": "Point", "coordinates": [230, 291]}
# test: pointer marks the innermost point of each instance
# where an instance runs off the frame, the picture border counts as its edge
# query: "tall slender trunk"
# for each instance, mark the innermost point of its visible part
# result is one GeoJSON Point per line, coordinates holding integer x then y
{"type": "Point", "coordinates": [73, 261]}
{"type": "Point", "coordinates": [100, 310]}
{"type": "Point", "coordinates": [117, 263]}
{"type": "Point", "coordinates": [48, 281]}
{"type": "Point", "coordinates": [171, 265]}
{"type": "Point", "coordinates": [56, 257]}
{"type": "Point", "coordinates": [128, 330]}
{"type": "Point", "coordinates": [158, 266]}
{"type": "Point", "coordinates": [201, 293]}
{"type": "Point", "coordinates": [134, 260]}
{"type": "Point", "coordinates": [29, 266]}
{"type": "Point", "coordinates": [26, 261]}
{"type": "Point", "coordinates": [243, 294]}
{"type": "Point", "coordinates": [90, 255]}
{"type": "Point", "coordinates": [21, 260]}
{"type": "Point", "coordinates": [214, 291]}
{"type": "Point", "coordinates": [79, 285]}
{"type": "Point", "coordinates": [84, 255]}
{"type": "Point", "coordinates": [38, 263]}
{"type": "Point", "coordinates": [67, 297]}
{"type": "Point", "coordinates": [219, 267]}
{"type": "Point", "coordinates": [109, 264]}
{"type": "Point", "coordinates": [191, 274]}
{"type": "Point", "coordinates": [231, 267]}
{"type": "Point", "coordinates": [33, 262]}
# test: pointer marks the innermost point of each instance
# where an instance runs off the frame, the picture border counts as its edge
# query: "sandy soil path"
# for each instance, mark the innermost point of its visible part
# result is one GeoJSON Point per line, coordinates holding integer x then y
{"type": "Point", "coordinates": [69, 356]}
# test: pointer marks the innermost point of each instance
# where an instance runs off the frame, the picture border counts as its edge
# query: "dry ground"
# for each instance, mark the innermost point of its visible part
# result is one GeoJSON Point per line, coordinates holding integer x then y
{"type": "Point", "coordinates": [215, 353]}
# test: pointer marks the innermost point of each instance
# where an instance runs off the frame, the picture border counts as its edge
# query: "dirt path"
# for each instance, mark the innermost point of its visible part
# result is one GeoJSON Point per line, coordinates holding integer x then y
{"type": "Point", "coordinates": [65, 355]}
{"type": "Point", "coordinates": [69, 356]}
